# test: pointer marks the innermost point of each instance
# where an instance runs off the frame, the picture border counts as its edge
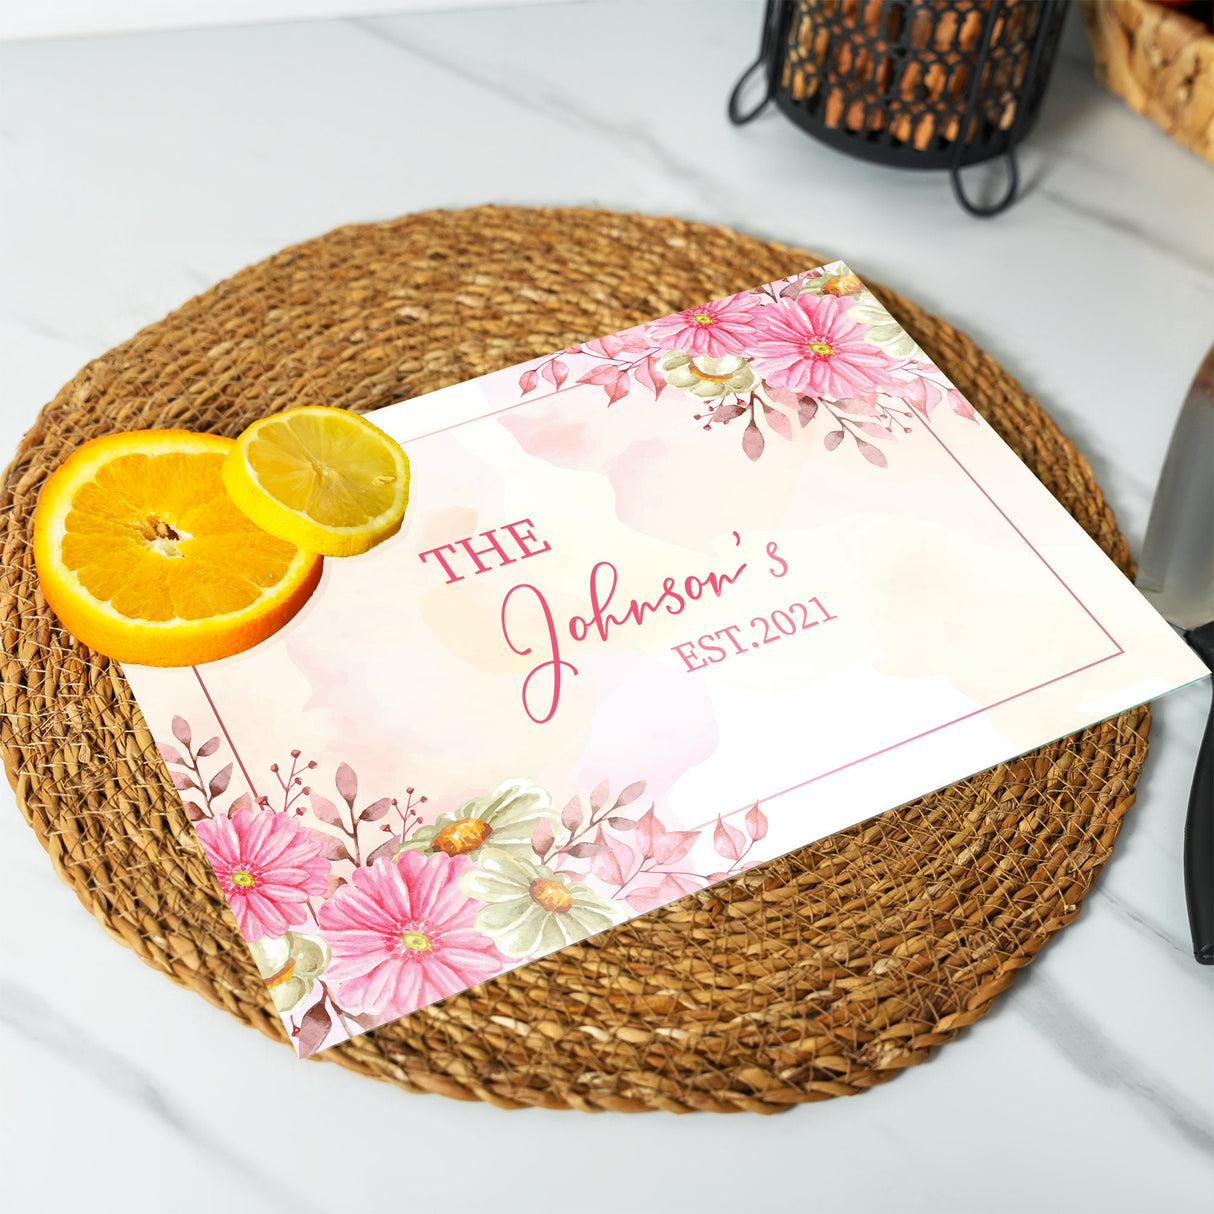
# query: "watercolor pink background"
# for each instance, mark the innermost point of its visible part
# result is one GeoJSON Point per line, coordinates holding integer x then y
{"type": "Point", "coordinates": [972, 620]}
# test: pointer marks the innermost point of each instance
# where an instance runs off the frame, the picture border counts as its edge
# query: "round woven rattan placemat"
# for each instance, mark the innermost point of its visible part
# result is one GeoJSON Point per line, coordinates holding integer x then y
{"type": "Point", "coordinates": [816, 975]}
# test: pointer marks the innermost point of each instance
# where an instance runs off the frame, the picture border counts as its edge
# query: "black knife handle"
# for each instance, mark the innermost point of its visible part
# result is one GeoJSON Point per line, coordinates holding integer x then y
{"type": "Point", "coordinates": [1199, 825]}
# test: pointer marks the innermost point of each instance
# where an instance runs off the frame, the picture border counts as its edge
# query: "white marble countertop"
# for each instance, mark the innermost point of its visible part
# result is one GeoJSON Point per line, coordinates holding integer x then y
{"type": "Point", "coordinates": [139, 169]}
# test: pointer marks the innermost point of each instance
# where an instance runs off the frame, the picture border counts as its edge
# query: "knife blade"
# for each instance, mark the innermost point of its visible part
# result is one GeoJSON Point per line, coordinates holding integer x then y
{"type": "Point", "coordinates": [1176, 574]}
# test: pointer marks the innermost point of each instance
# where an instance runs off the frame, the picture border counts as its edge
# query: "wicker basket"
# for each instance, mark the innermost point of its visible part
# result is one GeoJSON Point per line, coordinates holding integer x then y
{"type": "Point", "coordinates": [1161, 62]}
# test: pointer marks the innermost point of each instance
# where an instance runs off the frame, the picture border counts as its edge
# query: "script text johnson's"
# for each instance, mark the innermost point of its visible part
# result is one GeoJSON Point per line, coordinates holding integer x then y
{"type": "Point", "coordinates": [531, 630]}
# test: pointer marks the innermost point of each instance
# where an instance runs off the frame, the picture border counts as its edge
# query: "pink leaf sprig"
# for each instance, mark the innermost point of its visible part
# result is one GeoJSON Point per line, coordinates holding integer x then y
{"type": "Point", "coordinates": [359, 842]}
{"type": "Point", "coordinates": [293, 787]}
{"type": "Point", "coordinates": [553, 369]}
{"type": "Point", "coordinates": [655, 853]}
{"type": "Point", "coordinates": [620, 356]}
{"type": "Point", "coordinates": [190, 777]}
{"type": "Point", "coordinates": [908, 386]}
{"type": "Point", "coordinates": [583, 824]}
{"type": "Point", "coordinates": [923, 386]}
{"type": "Point", "coordinates": [610, 362]}
{"type": "Point", "coordinates": [754, 408]}
{"type": "Point", "coordinates": [637, 858]}
{"type": "Point", "coordinates": [735, 845]}
{"type": "Point", "coordinates": [791, 287]}
{"type": "Point", "coordinates": [312, 1029]}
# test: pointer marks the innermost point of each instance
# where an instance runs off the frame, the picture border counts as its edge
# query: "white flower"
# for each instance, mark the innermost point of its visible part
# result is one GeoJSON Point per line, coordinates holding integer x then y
{"type": "Point", "coordinates": [532, 910]}
{"type": "Point", "coordinates": [707, 377]}
{"type": "Point", "coordinates": [882, 329]}
{"type": "Point", "coordinates": [504, 818]}
{"type": "Point", "coordinates": [290, 965]}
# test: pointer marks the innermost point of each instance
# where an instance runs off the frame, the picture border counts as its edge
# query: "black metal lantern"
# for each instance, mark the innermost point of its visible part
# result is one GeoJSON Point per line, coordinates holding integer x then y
{"type": "Point", "coordinates": [921, 85]}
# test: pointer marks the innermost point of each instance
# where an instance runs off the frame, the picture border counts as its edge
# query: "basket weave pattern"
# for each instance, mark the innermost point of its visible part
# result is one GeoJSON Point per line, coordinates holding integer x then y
{"type": "Point", "coordinates": [819, 974]}
{"type": "Point", "coordinates": [1160, 62]}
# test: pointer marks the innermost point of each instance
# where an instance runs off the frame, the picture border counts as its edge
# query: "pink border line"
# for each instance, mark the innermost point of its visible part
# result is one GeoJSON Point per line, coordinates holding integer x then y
{"type": "Point", "coordinates": [977, 712]}
{"type": "Point", "coordinates": [224, 730]}
{"type": "Point", "coordinates": [1032, 547]}
{"type": "Point", "coordinates": [923, 421]}
{"type": "Point", "coordinates": [1118, 650]}
{"type": "Point", "coordinates": [518, 404]}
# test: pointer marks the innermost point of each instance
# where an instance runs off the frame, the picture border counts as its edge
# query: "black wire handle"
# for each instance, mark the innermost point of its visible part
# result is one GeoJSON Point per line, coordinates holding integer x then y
{"type": "Point", "coordinates": [1009, 193]}
{"type": "Point", "coordinates": [971, 106]}
{"type": "Point", "coordinates": [766, 59]}
{"type": "Point", "coordinates": [1041, 37]}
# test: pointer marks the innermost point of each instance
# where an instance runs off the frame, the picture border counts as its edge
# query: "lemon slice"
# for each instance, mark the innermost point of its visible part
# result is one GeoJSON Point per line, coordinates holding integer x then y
{"type": "Point", "coordinates": [142, 555]}
{"type": "Point", "coordinates": [324, 479]}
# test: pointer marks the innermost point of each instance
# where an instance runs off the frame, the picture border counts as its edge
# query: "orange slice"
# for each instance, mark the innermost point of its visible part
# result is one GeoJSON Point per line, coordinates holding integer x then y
{"type": "Point", "coordinates": [143, 556]}
{"type": "Point", "coordinates": [325, 479]}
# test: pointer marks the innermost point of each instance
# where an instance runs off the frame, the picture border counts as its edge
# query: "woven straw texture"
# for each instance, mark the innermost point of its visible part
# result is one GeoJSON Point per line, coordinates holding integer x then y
{"type": "Point", "coordinates": [819, 974]}
{"type": "Point", "coordinates": [1160, 62]}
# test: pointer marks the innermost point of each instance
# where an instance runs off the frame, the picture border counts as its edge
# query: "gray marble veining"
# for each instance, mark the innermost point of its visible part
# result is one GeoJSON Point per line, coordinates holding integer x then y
{"type": "Point", "coordinates": [26, 1013]}
{"type": "Point", "coordinates": [1085, 1046]}
{"type": "Point", "coordinates": [567, 108]}
{"type": "Point", "coordinates": [1141, 921]}
{"type": "Point", "coordinates": [1139, 232]}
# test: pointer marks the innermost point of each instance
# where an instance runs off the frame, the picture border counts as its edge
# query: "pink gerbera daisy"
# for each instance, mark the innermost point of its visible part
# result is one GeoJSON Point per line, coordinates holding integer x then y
{"type": "Point", "coordinates": [809, 346]}
{"type": "Point", "coordinates": [725, 326]}
{"type": "Point", "coordinates": [268, 866]}
{"type": "Point", "coordinates": [402, 935]}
